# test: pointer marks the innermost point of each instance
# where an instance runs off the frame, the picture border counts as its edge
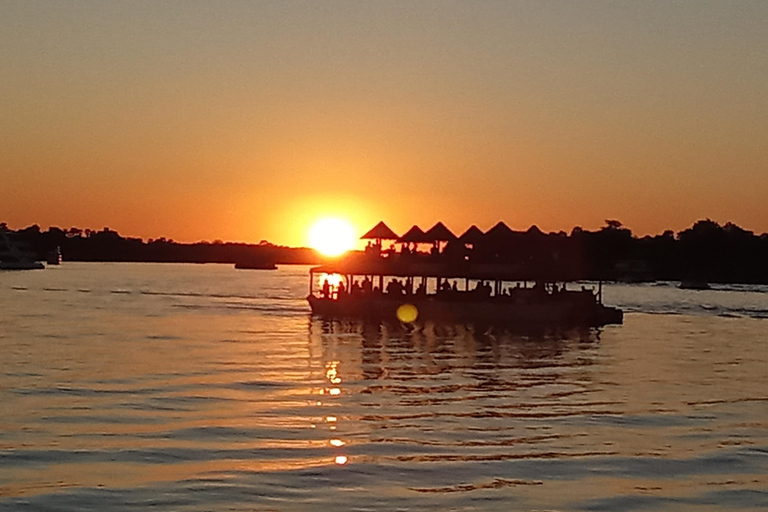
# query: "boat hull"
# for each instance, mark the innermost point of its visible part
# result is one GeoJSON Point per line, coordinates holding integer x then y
{"type": "Point", "coordinates": [21, 265]}
{"type": "Point", "coordinates": [549, 313]}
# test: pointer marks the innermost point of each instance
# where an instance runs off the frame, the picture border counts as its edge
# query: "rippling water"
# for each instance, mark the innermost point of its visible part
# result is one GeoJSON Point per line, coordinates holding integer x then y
{"type": "Point", "coordinates": [199, 387]}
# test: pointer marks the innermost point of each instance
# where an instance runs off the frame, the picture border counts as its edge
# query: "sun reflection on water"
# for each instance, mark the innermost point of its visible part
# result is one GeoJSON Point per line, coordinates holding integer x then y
{"type": "Point", "coordinates": [333, 376]}
{"type": "Point", "coordinates": [332, 373]}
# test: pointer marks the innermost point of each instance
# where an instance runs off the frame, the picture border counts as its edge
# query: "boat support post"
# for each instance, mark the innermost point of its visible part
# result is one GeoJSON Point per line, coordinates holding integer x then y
{"type": "Point", "coordinates": [311, 281]}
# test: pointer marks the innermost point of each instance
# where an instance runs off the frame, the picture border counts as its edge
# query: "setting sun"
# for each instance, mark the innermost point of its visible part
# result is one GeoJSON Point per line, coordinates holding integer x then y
{"type": "Point", "coordinates": [332, 237]}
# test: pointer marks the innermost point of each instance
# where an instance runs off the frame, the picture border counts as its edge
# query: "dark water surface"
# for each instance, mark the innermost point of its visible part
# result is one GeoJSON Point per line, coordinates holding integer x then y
{"type": "Point", "coordinates": [199, 387]}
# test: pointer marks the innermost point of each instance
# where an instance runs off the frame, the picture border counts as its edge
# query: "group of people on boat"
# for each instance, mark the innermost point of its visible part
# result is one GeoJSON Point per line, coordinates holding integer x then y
{"type": "Point", "coordinates": [449, 290]}
{"type": "Point", "coordinates": [409, 252]}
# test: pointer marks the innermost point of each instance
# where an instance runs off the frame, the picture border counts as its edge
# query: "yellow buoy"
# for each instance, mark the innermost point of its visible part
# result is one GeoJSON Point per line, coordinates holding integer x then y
{"type": "Point", "coordinates": [407, 313]}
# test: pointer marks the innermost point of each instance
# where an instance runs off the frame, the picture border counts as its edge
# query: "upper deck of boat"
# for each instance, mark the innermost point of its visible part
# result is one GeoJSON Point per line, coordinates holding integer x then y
{"type": "Point", "coordinates": [437, 266]}
{"type": "Point", "coordinates": [500, 254]}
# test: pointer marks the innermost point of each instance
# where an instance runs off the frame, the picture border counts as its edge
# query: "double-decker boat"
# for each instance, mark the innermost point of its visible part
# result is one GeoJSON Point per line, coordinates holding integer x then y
{"type": "Point", "coordinates": [405, 285]}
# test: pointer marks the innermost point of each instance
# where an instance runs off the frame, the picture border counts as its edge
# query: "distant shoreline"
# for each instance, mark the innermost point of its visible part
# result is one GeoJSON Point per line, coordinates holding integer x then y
{"type": "Point", "coordinates": [109, 246]}
{"type": "Point", "coordinates": [706, 252]}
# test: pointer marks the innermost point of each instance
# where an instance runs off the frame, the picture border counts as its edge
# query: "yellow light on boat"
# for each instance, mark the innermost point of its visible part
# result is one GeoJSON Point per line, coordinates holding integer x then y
{"type": "Point", "coordinates": [407, 313]}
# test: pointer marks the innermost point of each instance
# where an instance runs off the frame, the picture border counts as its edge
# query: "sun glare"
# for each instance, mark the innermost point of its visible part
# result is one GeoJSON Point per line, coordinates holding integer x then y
{"type": "Point", "coordinates": [332, 237]}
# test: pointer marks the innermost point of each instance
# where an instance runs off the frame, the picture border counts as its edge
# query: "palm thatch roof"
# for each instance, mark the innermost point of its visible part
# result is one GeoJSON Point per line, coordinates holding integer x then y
{"type": "Point", "coordinates": [440, 233]}
{"type": "Point", "coordinates": [380, 232]}
{"type": "Point", "coordinates": [500, 232]}
{"type": "Point", "coordinates": [534, 230]}
{"type": "Point", "coordinates": [415, 235]}
{"type": "Point", "coordinates": [472, 235]}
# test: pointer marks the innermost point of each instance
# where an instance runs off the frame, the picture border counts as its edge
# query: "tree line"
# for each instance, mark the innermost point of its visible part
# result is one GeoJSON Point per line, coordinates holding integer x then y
{"type": "Point", "coordinates": [707, 251]}
{"type": "Point", "coordinates": [107, 245]}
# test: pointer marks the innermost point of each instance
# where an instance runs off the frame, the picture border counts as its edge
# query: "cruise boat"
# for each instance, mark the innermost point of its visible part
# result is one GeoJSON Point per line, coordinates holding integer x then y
{"type": "Point", "coordinates": [438, 286]}
{"type": "Point", "coordinates": [16, 255]}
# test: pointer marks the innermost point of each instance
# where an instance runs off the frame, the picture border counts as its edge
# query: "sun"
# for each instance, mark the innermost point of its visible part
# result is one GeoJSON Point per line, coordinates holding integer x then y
{"type": "Point", "coordinates": [332, 236]}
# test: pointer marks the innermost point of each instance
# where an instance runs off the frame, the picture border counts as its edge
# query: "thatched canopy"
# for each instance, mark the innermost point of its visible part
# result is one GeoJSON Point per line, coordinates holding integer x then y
{"type": "Point", "coordinates": [472, 235]}
{"type": "Point", "coordinates": [440, 233]}
{"type": "Point", "coordinates": [499, 233]}
{"type": "Point", "coordinates": [380, 232]}
{"type": "Point", "coordinates": [534, 231]}
{"type": "Point", "coordinates": [415, 235]}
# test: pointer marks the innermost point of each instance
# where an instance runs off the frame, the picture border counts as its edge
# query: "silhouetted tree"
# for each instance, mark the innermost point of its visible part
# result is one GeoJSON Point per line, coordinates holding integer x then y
{"type": "Point", "coordinates": [705, 251]}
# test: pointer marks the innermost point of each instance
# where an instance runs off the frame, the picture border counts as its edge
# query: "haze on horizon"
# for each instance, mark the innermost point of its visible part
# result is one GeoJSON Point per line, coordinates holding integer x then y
{"type": "Point", "coordinates": [250, 120]}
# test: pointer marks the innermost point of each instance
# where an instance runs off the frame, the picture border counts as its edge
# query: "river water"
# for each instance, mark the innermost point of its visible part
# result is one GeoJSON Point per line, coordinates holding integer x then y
{"type": "Point", "coordinates": [201, 387]}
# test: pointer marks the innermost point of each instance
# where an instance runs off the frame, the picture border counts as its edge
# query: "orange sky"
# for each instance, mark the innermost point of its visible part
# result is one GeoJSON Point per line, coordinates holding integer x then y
{"type": "Point", "coordinates": [248, 121]}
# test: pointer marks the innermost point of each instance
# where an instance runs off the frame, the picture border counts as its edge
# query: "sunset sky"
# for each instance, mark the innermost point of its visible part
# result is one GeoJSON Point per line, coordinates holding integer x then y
{"type": "Point", "coordinates": [250, 120]}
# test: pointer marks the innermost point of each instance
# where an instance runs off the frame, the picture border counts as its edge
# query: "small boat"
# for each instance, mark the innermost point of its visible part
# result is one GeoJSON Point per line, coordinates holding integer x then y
{"type": "Point", "coordinates": [694, 284]}
{"type": "Point", "coordinates": [54, 256]}
{"type": "Point", "coordinates": [16, 255]}
{"type": "Point", "coordinates": [256, 263]}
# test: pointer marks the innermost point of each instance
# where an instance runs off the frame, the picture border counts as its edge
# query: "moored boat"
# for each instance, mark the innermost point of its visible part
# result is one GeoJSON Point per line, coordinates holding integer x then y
{"type": "Point", "coordinates": [16, 255]}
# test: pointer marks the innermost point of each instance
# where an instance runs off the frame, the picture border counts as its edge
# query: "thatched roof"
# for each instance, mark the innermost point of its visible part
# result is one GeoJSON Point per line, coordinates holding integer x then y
{"type": "Point", "coordinates": [472, 235]}
{"type": "Point", "coordinates": [440, 233]}
{"type": "Point", "coordinates": [500, 232]}
{"type": "Point", "coordinates": [380, 232]}
{"type": "Point", "coordinates": [534, 230]}
{"type": "Point", "coordinates": [415, 235]}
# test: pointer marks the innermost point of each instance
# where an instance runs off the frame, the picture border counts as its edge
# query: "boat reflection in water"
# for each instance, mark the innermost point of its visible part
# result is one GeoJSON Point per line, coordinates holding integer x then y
{"type": "Point", "coordinates": [432, 348]}
{"type": "Point", "coordinates": [406, 395]}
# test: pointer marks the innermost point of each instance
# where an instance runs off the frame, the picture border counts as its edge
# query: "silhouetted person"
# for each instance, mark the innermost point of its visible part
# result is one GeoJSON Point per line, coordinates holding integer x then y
{"type": "Point", "coordinates": [326, 289]}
